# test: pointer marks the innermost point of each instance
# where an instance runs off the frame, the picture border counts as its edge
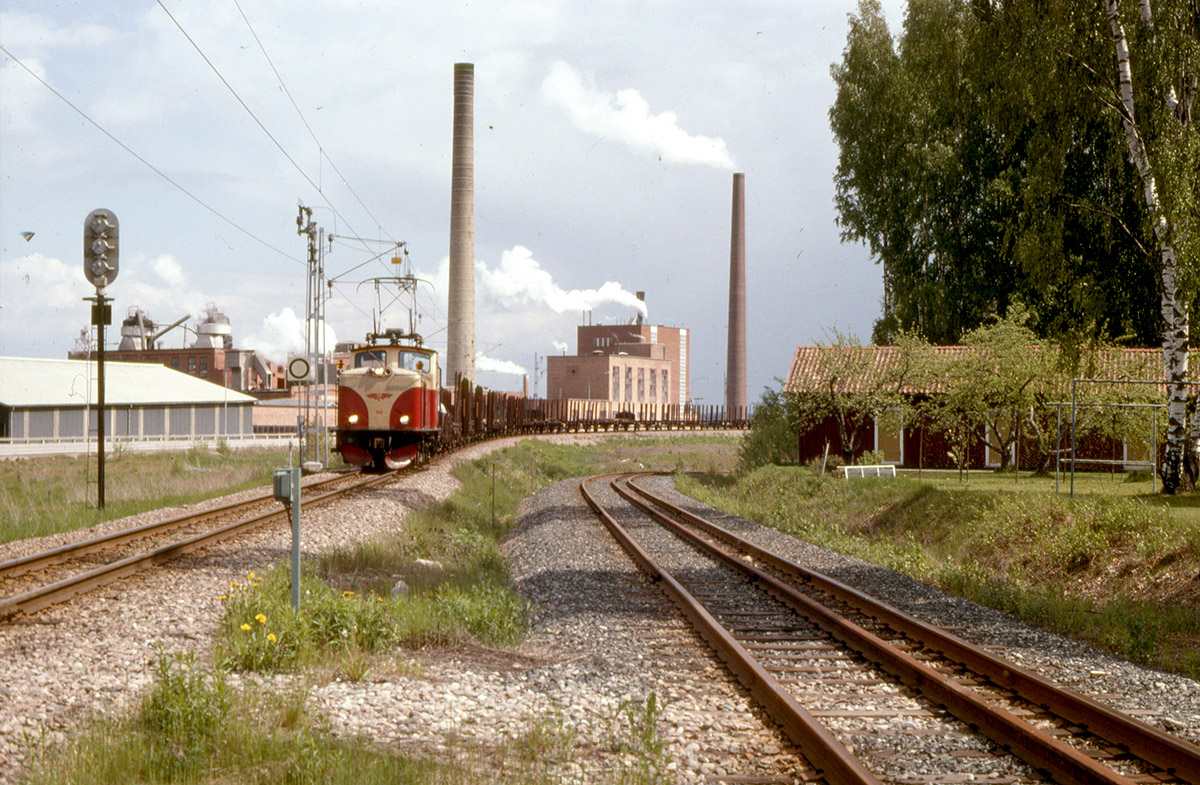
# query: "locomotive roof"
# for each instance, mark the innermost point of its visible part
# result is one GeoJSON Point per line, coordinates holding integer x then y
{"type": "Point", "coordinates": [411, 347]}
{"type": "Point", "coordinates": [27, 382]}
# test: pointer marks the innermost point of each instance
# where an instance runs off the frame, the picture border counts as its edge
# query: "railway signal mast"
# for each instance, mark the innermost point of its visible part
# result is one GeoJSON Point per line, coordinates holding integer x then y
{"type": "Point", "coordinates": [311, 370]}
{"type": "Point", "coordinates": [100, 265]}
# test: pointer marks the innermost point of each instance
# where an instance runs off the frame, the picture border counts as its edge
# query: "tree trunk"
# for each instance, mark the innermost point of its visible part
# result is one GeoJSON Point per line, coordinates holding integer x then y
{"type": "Point", "coordinates": [1174, 471]}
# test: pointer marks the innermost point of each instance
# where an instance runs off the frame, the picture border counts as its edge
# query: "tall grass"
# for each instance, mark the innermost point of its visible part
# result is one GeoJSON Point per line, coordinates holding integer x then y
{"type": "Point", "coordinates": [1120, 572]}
{"type": "Point", "coordinates": [42, 496]}
{"type": "Point", "coordinates": [192, 726]}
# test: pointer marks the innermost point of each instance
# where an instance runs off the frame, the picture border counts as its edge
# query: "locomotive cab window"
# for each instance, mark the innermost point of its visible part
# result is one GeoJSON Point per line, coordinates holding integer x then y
{"type": "Point", "coordinates": [375, 359]}
{"type": "Point", "coordinates": [414, 361]}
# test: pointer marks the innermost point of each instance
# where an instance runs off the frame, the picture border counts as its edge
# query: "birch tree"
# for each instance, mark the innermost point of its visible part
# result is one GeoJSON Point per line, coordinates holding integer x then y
{"type": "Point", "coordinates": [981, 168]}
{"type": "Point", "coordinates": [1161, 141]}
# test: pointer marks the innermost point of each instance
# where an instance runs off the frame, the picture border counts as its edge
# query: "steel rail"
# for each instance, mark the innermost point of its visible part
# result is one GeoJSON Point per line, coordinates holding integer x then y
{"type": "Point", "coordinates": [1171, 753]}
{"type": "Point", "coordinates": [836, 763]}
{"type": "Point", "coordinates": [1154, 745]}
{"type": "Point", "coordinates": [60, 591]}
{"type": "Point", "coordinates": [36, 561]}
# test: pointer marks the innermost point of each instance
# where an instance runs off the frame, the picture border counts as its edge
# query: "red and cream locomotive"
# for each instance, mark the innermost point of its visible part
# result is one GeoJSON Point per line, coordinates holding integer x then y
{"type": "Point", "coordinates": [388, 401]}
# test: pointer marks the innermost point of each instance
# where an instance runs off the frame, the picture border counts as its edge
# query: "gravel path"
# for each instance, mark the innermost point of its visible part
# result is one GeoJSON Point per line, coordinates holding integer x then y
{"type": "Point", "coordinates": [603, 641]}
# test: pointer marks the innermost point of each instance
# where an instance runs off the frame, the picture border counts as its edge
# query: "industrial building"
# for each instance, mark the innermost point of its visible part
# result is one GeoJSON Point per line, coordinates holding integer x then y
{"type": "Point", "coordinates": [55, 400]}
{"type": "Point", "coordinates": [623, 368]}
{"type": "Point", "coordinates": [211, 356]}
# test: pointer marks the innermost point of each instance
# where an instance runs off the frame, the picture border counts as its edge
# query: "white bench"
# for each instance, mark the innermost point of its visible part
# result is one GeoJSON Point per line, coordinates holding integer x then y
{"type": "Point", "coordinates": [879, 470]}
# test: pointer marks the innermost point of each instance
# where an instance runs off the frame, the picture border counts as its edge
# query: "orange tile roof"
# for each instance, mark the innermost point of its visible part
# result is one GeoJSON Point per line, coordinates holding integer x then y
{"type": "Point", "coordinates": [1117, 363]}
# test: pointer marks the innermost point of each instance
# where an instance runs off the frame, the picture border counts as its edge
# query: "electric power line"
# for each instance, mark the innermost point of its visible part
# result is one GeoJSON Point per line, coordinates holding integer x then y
{"type": "Point", "coordinates": [288, 93]}
{"type": "Point", "coordinates": [146, 163]}
{"type": "Point", "coordinates": [253, 116]}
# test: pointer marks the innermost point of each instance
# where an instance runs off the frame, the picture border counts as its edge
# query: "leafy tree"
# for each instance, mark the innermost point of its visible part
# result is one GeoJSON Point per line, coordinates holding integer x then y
{"type": "Point", "coordinates": [979, 165]}
{"type": "Point", "coordinates": [875, 179]}
{"type": "Point", "coordinates": [1156, 115]}
{"type": "Point", "coordinates": [988, 388]}
{"type": "Point", "coordinates": [1033, 151]}
{"type": "Point", "coordinates": [853, 384]}
{"type": "Point", "coordinates": [774, 432]}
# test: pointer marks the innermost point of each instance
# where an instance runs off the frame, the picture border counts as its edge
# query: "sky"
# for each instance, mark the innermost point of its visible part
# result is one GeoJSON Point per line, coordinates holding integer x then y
{"type": "Point", "coordinates": [606, 136]}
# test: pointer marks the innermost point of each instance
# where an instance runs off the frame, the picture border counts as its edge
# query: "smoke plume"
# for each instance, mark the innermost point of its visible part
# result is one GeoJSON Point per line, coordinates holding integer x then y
{"type": "Point", "coordinates": [625, 116]}
{"type": "Point", "coordinates": [489, 364]}
{"type": "Point", "coordinates": [282, 333]}
{"type": "Point", "coordinates": [520, 280]}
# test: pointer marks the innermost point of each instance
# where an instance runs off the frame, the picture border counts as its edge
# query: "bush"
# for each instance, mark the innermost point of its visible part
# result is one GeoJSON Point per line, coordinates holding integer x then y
{"type": "Point", "coordinates": [182, 716]}
{"type": "Point", "coordinates": [773, 436]}
{"type": "Point", "coordinates": [870, 458]}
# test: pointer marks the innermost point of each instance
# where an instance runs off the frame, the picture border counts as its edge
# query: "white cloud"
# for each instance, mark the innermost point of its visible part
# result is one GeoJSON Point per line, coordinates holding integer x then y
{"type": "Point", "coordinates": [625, 117]}
{"type": "Point", "coordinates": [36, 281]}
{"type": "Point", "coordinates": [40, 33]}
{"type": "Point", "coordinates": [21, 95]}
{"type": "Point", "coordinates": [170, 271]}
{"type": "Point", "coordinates": [39, 296]}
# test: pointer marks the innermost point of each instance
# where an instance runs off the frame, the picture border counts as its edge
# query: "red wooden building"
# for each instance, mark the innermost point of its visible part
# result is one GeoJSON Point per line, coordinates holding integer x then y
{"type": "Point", "coordinates": [919, 443]}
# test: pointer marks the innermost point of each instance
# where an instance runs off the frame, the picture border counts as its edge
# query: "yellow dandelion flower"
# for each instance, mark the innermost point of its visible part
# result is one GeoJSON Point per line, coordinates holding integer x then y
{"type": "Point", "coordinates": [250, 575]}
{"type": "Point", "coordinates": [233, 585]}
{"type": "Point", "coordinates": [347, 593]}
{"type": "Point", "coordinates": [262, 618]}
{"type": "Point", "coordinates": [271, 637]}
{"type": "Point", "coordinates": [223, 597]}
{"type": "Point", "coordinates": [245, 627]}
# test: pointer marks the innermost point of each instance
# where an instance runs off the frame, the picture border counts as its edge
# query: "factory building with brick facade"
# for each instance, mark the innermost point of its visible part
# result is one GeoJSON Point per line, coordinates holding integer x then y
{"type": "Point", "coordinates": [626, 368]}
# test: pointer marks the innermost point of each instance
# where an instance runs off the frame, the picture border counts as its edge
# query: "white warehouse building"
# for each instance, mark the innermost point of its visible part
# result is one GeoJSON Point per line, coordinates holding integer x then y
{"type": "Point", "coordinates": [55, 400]}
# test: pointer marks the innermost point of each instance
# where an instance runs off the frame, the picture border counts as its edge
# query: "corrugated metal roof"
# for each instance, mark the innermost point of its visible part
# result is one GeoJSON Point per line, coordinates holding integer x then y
{"type": "Point", "coordinates": [29, 382]}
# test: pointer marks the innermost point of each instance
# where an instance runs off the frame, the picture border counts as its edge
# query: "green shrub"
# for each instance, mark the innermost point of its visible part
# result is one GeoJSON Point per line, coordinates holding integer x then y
{"type": "Point", "coordinates": [183, 715]}
{"type": "Point", "coordinates": [870, 458]}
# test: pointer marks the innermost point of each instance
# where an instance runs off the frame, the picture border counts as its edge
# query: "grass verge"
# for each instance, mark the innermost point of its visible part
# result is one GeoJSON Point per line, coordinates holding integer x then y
{"type": "Point", "coordinates": [48, 495]}
{"type": "Point", "coordinates": [1120, 572]}
{"type": "Point", "coordinates": [439, 578]}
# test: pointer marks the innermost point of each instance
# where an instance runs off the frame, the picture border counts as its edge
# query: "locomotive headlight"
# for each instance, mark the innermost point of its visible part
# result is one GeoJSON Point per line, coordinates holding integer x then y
{"type": "Point", "coordinates": [404, 419]}
{"type": "Point", "coordinates": [352, 419]}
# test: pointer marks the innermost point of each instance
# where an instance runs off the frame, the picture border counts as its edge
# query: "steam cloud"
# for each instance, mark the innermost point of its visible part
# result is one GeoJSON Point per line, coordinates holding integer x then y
{"type": "Point", "coordinates": [520, 280]}
{"type": "Point", "coordinates": [282, 333]}
{"type": "Point", "coordinates": [484, 363]}
{"type": "Point", "coordinates": [625, 116]}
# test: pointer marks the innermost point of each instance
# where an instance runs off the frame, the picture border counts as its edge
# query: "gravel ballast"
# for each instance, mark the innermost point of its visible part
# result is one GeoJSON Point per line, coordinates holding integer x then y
{"type": "Point", "coordinates": [602, 640]}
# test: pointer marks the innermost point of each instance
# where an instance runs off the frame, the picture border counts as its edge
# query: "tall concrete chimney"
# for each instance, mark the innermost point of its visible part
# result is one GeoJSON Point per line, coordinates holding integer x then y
{"type": "Point", "coordinates": [735, 363]}
{"type": "Point", "coordinates": [460, 328]}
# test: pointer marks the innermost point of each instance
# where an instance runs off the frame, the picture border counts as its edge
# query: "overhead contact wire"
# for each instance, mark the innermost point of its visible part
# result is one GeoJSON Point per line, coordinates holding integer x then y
{"type": "Point", "coordinates": [142, 160]}
{"type": "Point", "coordinates": [253, 116]}
{"type": "Point", "coordinates": [300, 114]}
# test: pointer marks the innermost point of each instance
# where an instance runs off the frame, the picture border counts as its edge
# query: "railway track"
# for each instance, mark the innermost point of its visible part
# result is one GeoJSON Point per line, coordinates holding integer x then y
{"type": "Point", "coordinates": [39, 580]}
{"type": "Point", "coordinates": [795, 638]}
